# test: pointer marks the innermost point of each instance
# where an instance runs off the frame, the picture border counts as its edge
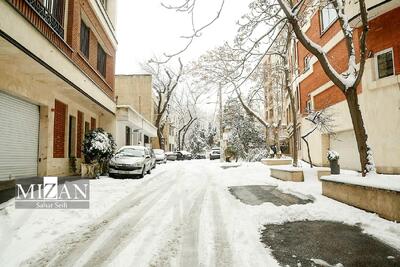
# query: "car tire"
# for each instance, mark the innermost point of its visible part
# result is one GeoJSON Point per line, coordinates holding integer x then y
{"type": "Point", "coordinates": [111, 175]}
{"type": "Point", "coordinates": [143, 172]}
{"type": "Point", "coordinates": [149, 171]}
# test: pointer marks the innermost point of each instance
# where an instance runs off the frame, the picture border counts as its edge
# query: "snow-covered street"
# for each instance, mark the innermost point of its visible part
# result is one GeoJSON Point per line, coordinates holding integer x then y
{"type": "Point", "coordinates": [183, 214]}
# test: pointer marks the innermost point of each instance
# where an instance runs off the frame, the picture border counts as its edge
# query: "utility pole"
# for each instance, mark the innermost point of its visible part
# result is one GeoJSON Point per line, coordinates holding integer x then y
{"type": "Point", "coordinates": [221, 127]}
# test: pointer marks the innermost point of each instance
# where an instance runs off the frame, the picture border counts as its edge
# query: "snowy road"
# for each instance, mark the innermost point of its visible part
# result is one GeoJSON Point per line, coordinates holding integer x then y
{"type": "Point", "coordinates": [180, 215]}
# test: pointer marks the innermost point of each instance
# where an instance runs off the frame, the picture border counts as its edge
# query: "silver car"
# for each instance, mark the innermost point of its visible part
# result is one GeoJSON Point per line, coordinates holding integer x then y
{"type": "Point", "coordinates": [160, 156]}
{"type": "Point", "coordinates": [130, 161]}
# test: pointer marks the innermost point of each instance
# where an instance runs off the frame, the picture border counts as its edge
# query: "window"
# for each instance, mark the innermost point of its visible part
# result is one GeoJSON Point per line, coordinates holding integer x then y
{"type": "Point", "coordinates": [101, 60]}
{"type": "Point", "coordinates": [92, 123]}
{"type": "Point", "coordinates": [127, 136]}
{"type": "Point", "coordinates": [72, 136]}
{"type": "Point", "coordinates": [85, 32]}
{"type": "Point", "coordinates": [87, 127]}
{"type": "Point", "coordinates": [384, 63]}
{"type": "Point", "coordinates": [308, 106]}
{"type": "Point", "coordinates": [307, 63]}
{"type": "Point", "coordinates": [328, 16]}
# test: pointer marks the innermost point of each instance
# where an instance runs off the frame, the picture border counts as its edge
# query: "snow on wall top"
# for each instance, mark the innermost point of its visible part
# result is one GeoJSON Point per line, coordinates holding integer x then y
{"type": "Point", "coordinates": [387, 182]}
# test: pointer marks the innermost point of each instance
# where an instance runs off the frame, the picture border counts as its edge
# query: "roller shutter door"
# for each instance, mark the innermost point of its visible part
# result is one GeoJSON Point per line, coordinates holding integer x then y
{"type": "Point", "coordinates": [19, 137]}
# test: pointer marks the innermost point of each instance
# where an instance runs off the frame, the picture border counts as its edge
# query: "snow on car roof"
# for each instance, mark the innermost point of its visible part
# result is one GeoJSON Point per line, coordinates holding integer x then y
{"type": "Point", "coordinates": [133, 147]}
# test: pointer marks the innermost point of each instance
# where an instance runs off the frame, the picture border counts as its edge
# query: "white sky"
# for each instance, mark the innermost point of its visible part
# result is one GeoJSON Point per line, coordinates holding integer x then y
{"type": "Point", "coordinates": [146, 29]}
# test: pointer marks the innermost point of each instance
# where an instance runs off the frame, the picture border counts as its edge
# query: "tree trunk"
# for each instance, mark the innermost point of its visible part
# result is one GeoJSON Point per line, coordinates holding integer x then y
{"type": "Point", "coordinates": [295, 159]}
{"type": "Point", "coordinates": [278, 141]}
{"type": "Point", "coordinates": [294, 115]}
{"type": "Point", "coordinates": [359, 129]}
{"type": "Point", "coordinates": [185, 131]}
{"type": "Point", "coordinates": [160, 139]}
{"type": "Point", "coordinates": [308, 151]}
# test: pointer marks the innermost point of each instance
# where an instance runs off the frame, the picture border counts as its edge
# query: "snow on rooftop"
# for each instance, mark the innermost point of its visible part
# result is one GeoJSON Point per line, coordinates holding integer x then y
{"type": "Point", "coordinates": [388, 182]}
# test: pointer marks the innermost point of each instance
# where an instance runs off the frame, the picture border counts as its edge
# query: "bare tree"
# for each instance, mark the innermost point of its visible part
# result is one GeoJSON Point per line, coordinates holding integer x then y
{"type": "Point", "coordinates": [320, 120]}
{"type": "Point", "coordinates": [189, 7]}
{"type": "Point", "coordinates": [347, 81]}
{"type": "Point", "coordinates": [165, 81]}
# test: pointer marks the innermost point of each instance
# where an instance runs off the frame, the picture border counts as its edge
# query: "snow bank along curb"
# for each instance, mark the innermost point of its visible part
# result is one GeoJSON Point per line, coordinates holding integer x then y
{"type": "Point", "coordinates": [379, 194]}
{"type": "Point", "coordinates": [387, 182]}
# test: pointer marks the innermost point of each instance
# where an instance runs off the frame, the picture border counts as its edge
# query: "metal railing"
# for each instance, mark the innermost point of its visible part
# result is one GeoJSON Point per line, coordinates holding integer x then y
{"type": "Point", "coordinates": [52, 12]}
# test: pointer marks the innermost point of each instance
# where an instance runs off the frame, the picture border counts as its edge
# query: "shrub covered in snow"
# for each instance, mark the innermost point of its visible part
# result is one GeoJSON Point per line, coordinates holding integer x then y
{"type": "Point", "coordinates": [333, 155]}
{"type": "Point", "coordinates": [257, 154]}
{"type": "Point", "coordinates": [98, 146]}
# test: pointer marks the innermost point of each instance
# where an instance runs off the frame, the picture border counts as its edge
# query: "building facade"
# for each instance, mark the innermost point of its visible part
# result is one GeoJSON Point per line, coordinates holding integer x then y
{"type": "Point", "coordinates": [278, 107]}
{"type": "Point", "coordinates": [378, 93]}
{"type": "Point", "coordinates": [57, 61]}
{"type": "Point", "coordinates": [135, 110]}
{"type": "Point", "coordinates": [169, 133]}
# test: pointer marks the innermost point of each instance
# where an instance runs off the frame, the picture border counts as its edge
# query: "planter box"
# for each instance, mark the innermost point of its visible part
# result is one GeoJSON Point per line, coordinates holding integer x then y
{"type": "Point", "coordinates": [383, 201]}
{"type": "Point", "coordinates": [271, 162]}
{"type": "Point", "coordinates": [323, 172]}
{"type": "Point", "coordinates": [292, 174]}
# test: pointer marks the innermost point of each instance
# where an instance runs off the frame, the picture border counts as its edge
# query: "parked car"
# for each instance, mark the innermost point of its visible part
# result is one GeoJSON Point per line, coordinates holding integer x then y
{"type": "Point", "coordinates": [131, 161]}
{"type": "Point", "coordinates": [200, 156]}
{"type": "Point", "coordinates": [153, 159]}
{"type": "Point", "coordinates": [160, 156]}
{"type": "Point", "coordinates": [171, 156]}
{"type": "Point", "coordinates": [215, 154]}
{"type": "Point", "coordinates": [183, 155]}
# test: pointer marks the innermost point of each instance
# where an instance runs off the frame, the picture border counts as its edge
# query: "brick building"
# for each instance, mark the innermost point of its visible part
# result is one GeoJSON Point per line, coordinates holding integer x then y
{"type": "Point", "coordinates": [379, 94]}
{"type": "Point", "coordinates": [57, 61]}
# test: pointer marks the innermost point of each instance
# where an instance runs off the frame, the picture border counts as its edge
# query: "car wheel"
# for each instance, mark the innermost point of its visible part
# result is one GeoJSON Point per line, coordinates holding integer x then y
{"type": "Point", "coordinates": [111, 175]}
{"type": "Point", "coordinates": [149, 171]}
{"type": "Point", "coordinates": [143, 171]}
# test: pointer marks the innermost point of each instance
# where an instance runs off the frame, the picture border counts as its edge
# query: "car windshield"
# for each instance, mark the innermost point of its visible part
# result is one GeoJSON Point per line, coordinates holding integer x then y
{"type": "Point", "coordinates": [131, 152]}
{"type": "Point", "coordinates": [158, 151]}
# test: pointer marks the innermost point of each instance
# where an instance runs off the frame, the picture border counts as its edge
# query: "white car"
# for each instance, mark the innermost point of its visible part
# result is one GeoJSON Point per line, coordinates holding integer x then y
{"type": "Point", "coordinates": [160, 156]}
{"type": "Point", "coordinates": [130, 161]}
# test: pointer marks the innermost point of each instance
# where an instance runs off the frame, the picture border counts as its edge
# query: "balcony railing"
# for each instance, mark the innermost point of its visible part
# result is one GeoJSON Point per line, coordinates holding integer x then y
{"type": "Point", "coordinates": [52, 12]}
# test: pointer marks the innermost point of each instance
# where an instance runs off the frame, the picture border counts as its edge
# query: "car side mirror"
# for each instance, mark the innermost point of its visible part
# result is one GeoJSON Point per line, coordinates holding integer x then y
{"type": "Point", "coordinates": [147, 157]}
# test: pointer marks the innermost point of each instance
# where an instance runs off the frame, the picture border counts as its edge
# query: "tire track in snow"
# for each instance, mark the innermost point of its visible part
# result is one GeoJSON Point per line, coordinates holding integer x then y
{"type": "Point", "coordinates": [68, 248]}
{"type": "Point", "coordinates": [190, 233]}
{"type": "Point", "coordinates": [223, 252]}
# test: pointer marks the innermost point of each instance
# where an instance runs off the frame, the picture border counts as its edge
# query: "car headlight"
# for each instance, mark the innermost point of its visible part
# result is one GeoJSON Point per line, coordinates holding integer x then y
{"type": "Point", "coordinates": [112, 163]}
{"type": "Point", "coordinates": [138, 164]}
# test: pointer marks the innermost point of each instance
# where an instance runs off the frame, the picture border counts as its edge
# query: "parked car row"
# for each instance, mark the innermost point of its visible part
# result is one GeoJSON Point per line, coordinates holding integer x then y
{"type": "Point", "coordinates": [139, 160]}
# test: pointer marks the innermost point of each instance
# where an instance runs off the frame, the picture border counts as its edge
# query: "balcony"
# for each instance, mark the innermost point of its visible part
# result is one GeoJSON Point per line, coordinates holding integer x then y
{"type": "Point", "coordinates": [51, 11]}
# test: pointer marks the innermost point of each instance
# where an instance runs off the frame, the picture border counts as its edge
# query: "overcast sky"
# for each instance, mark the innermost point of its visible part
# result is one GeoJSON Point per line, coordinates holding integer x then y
{"type": "Point", "coordinates": [146, 29]}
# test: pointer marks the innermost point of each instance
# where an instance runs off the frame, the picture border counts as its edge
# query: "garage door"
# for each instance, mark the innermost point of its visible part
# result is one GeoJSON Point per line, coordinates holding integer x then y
{"type": "Point", "coordinates": [345, 144]}
{"type": "Point", "coordinates": [19, 132]}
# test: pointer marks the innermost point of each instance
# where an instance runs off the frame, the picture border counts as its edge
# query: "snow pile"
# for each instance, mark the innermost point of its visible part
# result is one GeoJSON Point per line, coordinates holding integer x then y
{"type": "Point", "coordinates": [371, 169]}
{"type": "Point", "coordinates": [332, 155]}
